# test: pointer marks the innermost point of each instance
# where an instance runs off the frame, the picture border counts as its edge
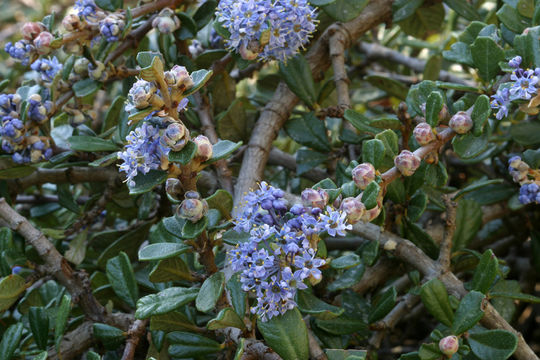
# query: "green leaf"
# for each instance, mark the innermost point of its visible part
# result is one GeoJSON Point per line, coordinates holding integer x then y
{"type": "Point", "coordinates": [161, 251]}
{"type": "Point", "coordinates": [200, 77]}
{"type": "Point", "coordinates": [312, 305]}
{"type": "Point", "coordinates": [516, 296]}
{"type": "Point", "coordinates": [469, 146]}
{"type": "Point", "coordinates": [185, 155]}
{"type": "Point", "coordinates": [145, 58]}
{"type": "Point", "coordinates": [360, 122]}
{"type": "Point", "coordinates": [418, 95]}
{"type": "Point", "coordinates": [113, 113]}
{"type": "Point", "coordinates": [349, 354]}
{"type": "Point", "coordinates": [390, 86]}
{"type": "Point", "coordinates": [308, 159]}
{"type": "Point", "coordinates": [188, 30]}
{"type": "Point", "coordinates": [210, 292]}
{"type": "Point", "coordinates": [480, 114]}
{"type": "Point", "coordinates": [10, 340]}
{"type": "Point", "coordinates": [287, 335]}
{"type": "Point", "coordinates": [426, 20]}
{"type": "Point", "coordinates": [348, 278]}
{"type": "Point", "coordinates": [310, 131]}
{"type": "Point", "coordinates": [237, 295]}
{"type": "Point", "coordinates": [204, 13]}
{"type": "Point", "coordinates": [459, 52]}
{"type": "Point", "coordinates": [110, 336]}
{"type": "Point", "coordinates": [429, 352]}
{"type": "Point", "coordinates": [464, 9]}
{"type": "Point", "coordinates": [16, 172]}
{"type": "Point", "coordinates": [493, 344]}
{"type": "Point", "coordinates": [91, 144]}
{"type": "Point", "coordinates": [222, 149]}
{"type": "Point", "coordinates": [171, 269]}
{"type": "Point", "coordinates": [370, 252]}
{"type": "Point", "coordinates": [42, 356]}
{"type": "Point", "coordinates": [188, 345]}
{"type": "Point", "coordinates": [383, 306]}
{"type": "Point", "coordinates": [146, 182]}
{"type": "Point", "coordinates": [110, 5]}
{"type": "Point", "coordinates": [85, 87]}
{"type": "Point", "coordinates": [297, 75]}
{"type": "Point", "coordinates": [485, 272]}
{"type": "Point", "coordinates": [417, 205]}
{"type": "Point", "coordinates": [226, 318]}
{"type": "Point", "coordinates": [528, 46]}
{"type": "Point", "coordinates": [222, 201]}
{"type": "Point", "coordinates": [486, 55]}
{"type": "Point", "coordinates": [192, 230]}
{"type": "Point", "coordinates": [10, 288]}
{"type": "Point", "coordinates": [390, 141]}
{"type": "Point", "coordinates": [370, 194]}
{"type": "Point", "coordinates": [345, 10]}
{"type": "Point", "coordinates": [435, 299]}
{"type": "Point", "coordinates": [373, 152]}
{"type": "Point", "coordinates": [475, 186]}
{"type": "Point", "coordinates": [172, 321]}
{"type": "Point", "coordinates": [403, 9]}
{"type": "Point", "coordinates": [468, 313]}
{"type": "Point", "coordinates": [129, 243]}
{"type": "Point", "coordinates": [139, 115]}
{"type": "Point", "coordinates": [526, 133]}
{"type": "Point", "coordinates": [510, 17]}
{"type": "Point", "coordinates": [62, 315]}
{"type": "Point", "coordinates": [434, 106]}
{"type": "Point", "coordinates": [122, 279]}
{"type": "Point", "coordinates": [420, 238]}
{"type": "Point", "coordinates": [165, 301]}
{"type": "Point", "coordinates": [386, 122]}
{"type": "Point", "coordinates": [343, 325]}
{"type": "Point", "coordinates": [39, 324]}
{"type": "Point", "coordinates": [346, 261]}
{"type": "Point", "coordinates": [468, 222]}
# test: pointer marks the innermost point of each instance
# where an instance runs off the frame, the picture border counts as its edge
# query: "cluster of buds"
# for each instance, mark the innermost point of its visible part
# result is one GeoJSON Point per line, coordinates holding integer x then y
{"type": "Point", "coordinates": [461, 122]}
{"type": "Point", "coordinates": [315, 198]}
{"type": "Point", "coordinates": [166, 22]}
{"type": "Point", "coordinates": [204, 148]}
{"type": "Point", "coordinates": [528, 178]}
{"type": "Point", "coordinates": [407, 162]}
{"type": "Point", "coordinates": [112, 26]}
{"type": "Point", "coordinates": [424, 134]}
{"type": "Point", "coordinates": [22, 139]}
{"type": "Point", "coordinates": [176, 135]}
{"type": "Point", "coordinates": [193, 208]}
{"type": "Point", "coordinates": [36, 41]}
{"type": "Point", "coordinates": [363, 175]}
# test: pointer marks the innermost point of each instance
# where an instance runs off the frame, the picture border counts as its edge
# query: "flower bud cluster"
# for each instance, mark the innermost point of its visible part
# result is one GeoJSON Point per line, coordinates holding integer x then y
{"type": "Point", "coordinates": [528, 179]}
{"type": "Point", "coordinates": [461, 122]}
{"type": "Point", "coordinates": [112, 26]}
{"type": "Point", "coordinates": [424, 134]}
{"type": "Point", "coordinates": [268, 29]}
{"type": "Point", "coordinates": [204, 148]}
{"type": "Point", "coordinates": [363, 175]}
{"type": "Point", "coordinates": [166, 22]}
{"type": "Point", "coordinates": [36, 41]}
{"type": "Point", "coordinates": [280, 254]}
{"type": "Point", "coordinates": [407, 163]}
{"type": "Point", "coordinates": [176, 136]}
{"type": "Point", "coordinates": [22, 139]}
{"type": "Point", "coordinates": [47, 68]}
{"type": "Point", "coordinates": [193, 208]}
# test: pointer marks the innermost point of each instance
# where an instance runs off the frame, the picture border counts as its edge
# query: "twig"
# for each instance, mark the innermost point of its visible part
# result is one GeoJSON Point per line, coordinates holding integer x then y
{"type": "Point", "coordinates": [74, 343]}
{"type": "Point", "coordinates": [277, 111]}
{"type": "Point", "coordinates": [377, 275]}
{"type": "Point", "coordinates": [281, 158]}
{"type": "Point", "coordinates": [315, 350]}
{"type": "Point", "coordinates": [136, 331]}
{"type": "Point", "coordinates": [205, 115]}
{"type": "Point", "coordinates": [445, 252]}
{"type": "Point", "coordinates": [378, 52]}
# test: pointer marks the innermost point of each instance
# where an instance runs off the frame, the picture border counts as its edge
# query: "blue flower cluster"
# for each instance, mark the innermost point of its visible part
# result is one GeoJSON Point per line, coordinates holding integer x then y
{"type": "Point", "coordinates": [523, 86]}
{"type": "Point", "coordinates": [145, 151]}
{"type": "Point", "coordinates": [281, 252]}
{"type": "Point", "coordinates": [86, 8]}
{"type": "Point", "coordinates": [268, 29]}
{"type": "Point", "coordinates": [23, 50]}
{"type": "Point", "coordinates": [47, 68]}
{"type": "Point", "coordinates": [21, 139]}
{"type": "Point", "coordinates": [530, 189]}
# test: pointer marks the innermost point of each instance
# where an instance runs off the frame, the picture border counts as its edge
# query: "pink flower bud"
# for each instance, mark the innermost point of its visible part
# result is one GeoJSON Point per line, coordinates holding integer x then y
{"type": "Point", "coordinates": [178, 76]}
{"type": "Point", "coordinates": [354, 208]}
{"type": "Point", "coordinates": [407, 163]}
{"type": "Point", "coordinates": [204, 148]}
{"type": "Point", "coordinates": [461, 122]}
{"type": "Point", "coordinates": [166, 22]}
{"type": "Point", "coordinates": [423, 133]}
{"type": "Point", "coordinates": [315, 198]}
{"type": "Point", "coordinates": [449, 345]}
{"type": "Point", "coordinates": [71, 22]}
{"type": "Point", "coordinates": [31, 30]}
{"type": "Point", "coordinates": [363, 174]}
{"type": "Point", "coordinates": [43, 42]}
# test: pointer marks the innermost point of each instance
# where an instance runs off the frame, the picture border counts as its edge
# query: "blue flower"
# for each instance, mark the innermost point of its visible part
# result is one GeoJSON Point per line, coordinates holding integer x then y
{"type": "Point", "coordinates": [269, 29]}
{"type": "Point", "coordinates": [22, 50]}
{"type": "Point", "coordinates": [524, 84]}
{"type": "Point", "coordinates": [501, 102]}
{"type": "Point", "coordinates": [515, 62]}
{"type": "Point", "coordinates": [47, 68]}
{"type": "Point", "coordinates": [86, 8]}
{"type": "Point", "coordinates": [111, 27]}
{"type": "Point", "coordinates": [144, 151]}
{"type": "Point", "coordinates": [334, 222]}
{"type": "Point", "coordinates": [308, 265]}
{"type": "Point", "coordinates": [528, 193]}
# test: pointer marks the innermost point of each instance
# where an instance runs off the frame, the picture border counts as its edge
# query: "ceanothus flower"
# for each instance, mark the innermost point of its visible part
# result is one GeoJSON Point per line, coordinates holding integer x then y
{"type": "Point", "coordinates": [47, 68]}
{"type": "Point", "coordinates": [268, 29]}
{"type": "Point", "coordinates": [111, 27]}
{"type": "Point", "coordinates": [86, 8]}
{"type": "Point", "coordinates": [38, 109]}
{"type": "Point", "coordinates": [334, 222]}
{"type": "Point", "coordinates": [144, 151]}
{"type": "Point", "coordinates": [501, 102]}
{"type": "Point", "coordinates": [524, 84]}
{"type": "Point", "coordinates": [23, 50]}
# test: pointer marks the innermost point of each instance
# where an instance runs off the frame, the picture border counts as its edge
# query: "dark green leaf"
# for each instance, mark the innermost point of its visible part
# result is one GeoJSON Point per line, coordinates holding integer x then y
{"type": "Point", "coordinates": [493, 344]}
{"type": "Point", "coordinates": [62, 315]}
{"type": "Point", "coordinates": [172, 321]}
{"type": "Point", "coordinates": [526, 133]}
{"type": "Point", "coordinates": [297, 75]}
{"type": "Point", "coordinates": [226, 318]}
{"type": "Point", "coordinates": [420, 238]}
{"type": "Point", "coordinates": [417, 205]}
{"type": "Point", "coordinates": [485, 272]}
{"type": "Point", "coordinates": [237, 295]}
{"type": "Point", "coordinates": [10, 340]}
{"type": "Point", "coordinates": [165, 301]}
{"type": "Point", "coordinates": [370, 194]}
{"type": "Point", "coordinates": [435, 299]}
{"type": "Point", "coordinates": [146, 182]}
{"type": "Point", "coordinates": [161, 251]}
{"type": "Point", "coordinates": [185, 155]}
{"type": "Point", "coordinates": [222, 149]}
{"type": "Point", "coordinates": [463, 8]}
{"type": "Point", "coordinates": [346, 261]}
{"type": "Point", "coordinates": [383, 306]}
{"type": "Point", "coordinates": [16, 172]}
{"type": "Point", "coordinates": [188, 345]}
{"type": "Point", "coordinates": [308, 159]}
{"type": "Point", "coordinates": [468, 222]}
{"type": "Point", "coordinates": [486, 55]}
{"type": "Point", "coordinates": [110, 5]}
{"type": "Point", "coordinates": [434, 106]}
{"type": "Point", "coordinates": [204, 13]}
{"type": "Point", "coordinates": [200, 78]}
{"type": "Point", "coordinates": [122, 278]}
{"type": "Point", "coordinates": [91, 144]}
{"type": "Point", "coordinates": [312, 305]}
{"type": "Point", "coordinates": [373, 152]}
{"type": "Point", "coordinates": [468, 313]}
{"type": "Point", "coordinates": [343, 325]}
{"type": "Point", "coordinates": [192, 230]}
{"type": "Point", "coordinates": [113, 113]}
{"type": "Point", "coordinates": [480, 114]}
{"type": "Point", "coordinates": [287, 335]}
{"type": "Point", "coordinates": [402, 9]}
{"type": "Point", "coordinates": [171, 269]}
{"type": "Point", "coordinates": [345, 10]}
{"type": "Point", "coordinates": [310, 131]}
{"type": "Point", "coordinates": [85, 87]}
{"type": "Point", "coordinates": [510, 17]}
{"type": "Point", "coordinates": [210, 292]}
{"type": "Point", "coordinates": [110, 336]}
{"type": "Point", "coordinates": [39, 324]}
{"type": "Point", "coordinates": [391, 86]}
{"type": "Point", "coordinates": [10, 287]}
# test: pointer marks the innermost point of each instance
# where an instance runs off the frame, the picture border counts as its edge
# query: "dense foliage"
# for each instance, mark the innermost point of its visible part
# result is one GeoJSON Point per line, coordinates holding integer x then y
{"type": "Point", "coordinates": [270, 179]}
